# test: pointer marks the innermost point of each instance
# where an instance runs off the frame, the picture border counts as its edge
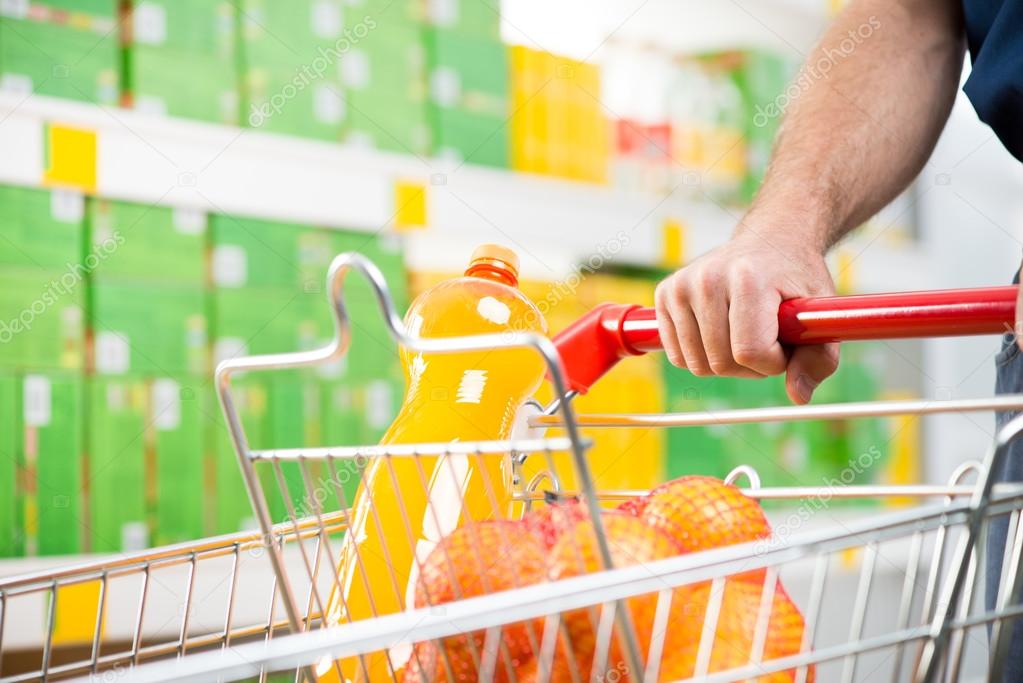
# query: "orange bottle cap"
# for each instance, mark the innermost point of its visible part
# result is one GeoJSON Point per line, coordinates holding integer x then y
{"type": "Point", "coordinates": [494, 257]}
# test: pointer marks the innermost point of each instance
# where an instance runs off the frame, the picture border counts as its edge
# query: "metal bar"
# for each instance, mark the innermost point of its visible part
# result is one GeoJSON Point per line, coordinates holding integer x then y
{"type": "Point", "coordinates": [3, 622]}
{"type": "Point", "coordinates": [232, 587]}
{"type": "Point", "coordinates": [1008, 594]}
{"type": "Point", "coordinates": [795, 492]}
{"type": "Point", "coordinates": [906, 601]}
{"type": "Point", "coordinates": [710, 622]}
{"type": "Point", "coordinates": [51, 625]}
{"type": "Point", "coordinates": [373, 635]}
{"type": "Point", "coordinates": [137, 636]}
{"type": "Point", "coordinates": [97, 632]}
{"type": "Point", "coordinates": [978, 508]}
{"type": "Point", "coordinates": [958, 637]}
{"type": "Point", "coordinates": [658, 633]}
{"type": "Point", "coordinates": [824, 411]}
{"type": "Point", "coordinates": [182, 642]}
{"type": "Point", "coordinates": [763, 615]}
{"type": "Point", "coordinates": [813, 610]}
{"type": "Point", "coordinates": [860, 608]}
{"type": "Point", "coordinates": [181, 552]}
{"type": "Point", "coordinates": [414, 450]}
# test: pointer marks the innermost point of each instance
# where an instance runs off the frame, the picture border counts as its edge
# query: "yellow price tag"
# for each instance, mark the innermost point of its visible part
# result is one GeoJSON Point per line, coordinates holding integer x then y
{"type": "Point", "coordinates": [76, 612]}
{"type": "Point", "coordinates": [70, 157]}
{"type": "Point", "coordinates": [409, 205]}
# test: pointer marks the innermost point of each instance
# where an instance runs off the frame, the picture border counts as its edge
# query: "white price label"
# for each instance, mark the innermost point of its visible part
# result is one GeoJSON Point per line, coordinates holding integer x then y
{"type": "Point", "coordinates": [228, 348]}
{"type": "Point", "coordinates": [149, 23]}
{"type": "Point", "coordinates": [443, 12]}
{"type": "Point", "coordinates": [166, 401]}
{"type": "Point", "coordinates": [189, 221]}
{"type": "Point", "coordinates": [378, 404]}
{"type": "Point", "coordinates": [445, 86]}
{"type": "Point", "coordinates": [37, 396]}
{"type": "Point", "coordinates": [67, 206]}
{"type": "Point", "coordinates": [14, 8]}
{"type": "Point", "coordinates": [355, 69]}
{"type": "Point", "coordinates": [113, 353]}
{"type": "Point", "coordinates": [230, 266]}
{"type": "Point", "coordinates": [328, 106]}
{"type": "Point", "coordinates": [326, 18]}
{"type": "Point", "coordinates": [20, 84]}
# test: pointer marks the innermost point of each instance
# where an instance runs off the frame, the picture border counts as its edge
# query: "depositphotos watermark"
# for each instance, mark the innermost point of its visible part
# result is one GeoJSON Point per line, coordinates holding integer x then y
{"type": "Point", "coordinates": [73, 274]}
{"type": "Point", "coordinates": [567, 287]}
{"type": "Point", "coordinates": [312, 72]}
{"type": "Point", "coordinates": [811, 506]}
{"type": "Point", "coordinates": [810, 73]}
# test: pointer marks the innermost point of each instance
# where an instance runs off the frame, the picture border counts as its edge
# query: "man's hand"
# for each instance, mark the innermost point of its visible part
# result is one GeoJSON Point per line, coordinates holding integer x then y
{"type": "Point", "coordinates": [719, 315]}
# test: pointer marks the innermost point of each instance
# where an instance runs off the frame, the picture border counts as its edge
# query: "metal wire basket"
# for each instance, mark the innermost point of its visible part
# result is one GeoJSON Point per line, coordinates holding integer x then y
{"type": "Point", "coordinates": [277, 627]}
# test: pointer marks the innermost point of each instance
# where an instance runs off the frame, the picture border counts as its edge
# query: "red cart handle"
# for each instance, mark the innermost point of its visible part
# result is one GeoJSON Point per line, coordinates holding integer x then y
{"type": "Point", "coordinates": [596, 342]}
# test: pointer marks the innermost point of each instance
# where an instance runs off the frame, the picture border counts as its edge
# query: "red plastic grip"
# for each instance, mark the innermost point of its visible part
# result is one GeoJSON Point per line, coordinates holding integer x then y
{"type": "Point", "coordinates": [596, 342]}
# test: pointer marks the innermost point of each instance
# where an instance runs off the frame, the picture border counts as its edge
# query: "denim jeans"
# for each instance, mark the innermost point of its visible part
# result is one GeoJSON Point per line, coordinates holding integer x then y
{"type": "Point", "coordinates": [1009, 380]}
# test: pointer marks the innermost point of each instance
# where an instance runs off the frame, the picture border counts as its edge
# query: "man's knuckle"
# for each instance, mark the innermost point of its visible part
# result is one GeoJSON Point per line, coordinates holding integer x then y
{"type": "Point", "coordinates": [720, 364]}
{"type": "Point", "coordinates": [699, 369]}
{"type": "Point", "coordinates": [747, 354]}
{"type": "Point", "coordinates": [745, 275]}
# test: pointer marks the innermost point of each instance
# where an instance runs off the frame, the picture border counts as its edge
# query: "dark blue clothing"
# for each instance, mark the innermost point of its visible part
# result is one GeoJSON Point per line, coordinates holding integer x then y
{"type": "Point", "coordinates": [1008, 380]}
{"type": "Point", "coordinates": [994, 32]}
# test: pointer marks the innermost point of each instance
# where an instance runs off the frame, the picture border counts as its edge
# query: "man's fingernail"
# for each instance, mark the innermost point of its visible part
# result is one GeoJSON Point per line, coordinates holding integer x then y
{"type": "Point", "coordinates": [805, 387]}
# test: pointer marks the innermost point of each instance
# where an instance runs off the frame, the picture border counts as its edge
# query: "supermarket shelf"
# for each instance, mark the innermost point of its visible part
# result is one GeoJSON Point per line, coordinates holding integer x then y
{"type": "Point", "coordinates": [583, 30]}
{"type": "Point", "coordinates": [554, 223]}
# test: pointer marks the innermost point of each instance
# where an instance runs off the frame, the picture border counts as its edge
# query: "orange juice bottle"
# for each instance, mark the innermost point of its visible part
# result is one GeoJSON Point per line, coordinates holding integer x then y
{"type": "Point", "coordinates": [405, 505]}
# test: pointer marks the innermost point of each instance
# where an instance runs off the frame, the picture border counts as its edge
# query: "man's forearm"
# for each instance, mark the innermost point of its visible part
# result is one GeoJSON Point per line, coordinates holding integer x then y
{"type": "Point", "coordinates": [863, 117]}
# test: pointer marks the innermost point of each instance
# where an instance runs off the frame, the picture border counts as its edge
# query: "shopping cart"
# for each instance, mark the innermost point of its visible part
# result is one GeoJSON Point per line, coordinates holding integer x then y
{"type": "Point", "coordinates": [894, 595]}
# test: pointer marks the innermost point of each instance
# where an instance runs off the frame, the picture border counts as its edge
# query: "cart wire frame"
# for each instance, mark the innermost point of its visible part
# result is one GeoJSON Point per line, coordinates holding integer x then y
{"type": "Point", "coordinates": [292, 634]}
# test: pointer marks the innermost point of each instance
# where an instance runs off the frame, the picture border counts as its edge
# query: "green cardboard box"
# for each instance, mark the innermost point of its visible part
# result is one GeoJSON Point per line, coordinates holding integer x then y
{"type": "Point", "coordinates": [185, 84]}
{"type": "Point", "coordinates": [118, 412]}
{"type": "Point", "coordinates": [12, 532]}
{"type": "Point", "coordinates": [268, 320]}
{"type": "Point", "coordinates": [762, 80]}
{"type": "Point", "coordinates": [343, 425]}
{"type": "Point", "coordinates": [471, 137]}
{"type": "Point", "coordinates": [387, 123]}
{"type": "Point", "coordinates": [52, 457]}
{"type": "Point", "coordinates": [232, 510]}
{"type": "Point", "coordinates": [42, 228]}
{"type": "Point", "coordinates": [374, 13]}
{"type": "Point", "coordinates": [291, 103]}
{"type": "Point", "coordinates": [150, 244]}
{"type": "Point", "coordinates": [471, 17]}
{"type": "Point", "coordinates": [300, 35]}
{"type": "Point", "coordinates": [249, 252]}
{"type": "Point", "coordinates": [148, 329]}
{"type": "Point", "coordinates": [294, 421]}
{"type": "Point", "coordinates": [198, 27]}
{"type": "Point", "coordinates": [60, 60]}
{"type": "Point", "coordinates": [467, 72]}
{"type": "Point", "coordinates": [178, 413]}
{"type": "Point", "coordinates": [390, 62]}
{"type": "Point", "coordinates": [41, 317]}
{"type": "Point", "coordinates": [106, 9]}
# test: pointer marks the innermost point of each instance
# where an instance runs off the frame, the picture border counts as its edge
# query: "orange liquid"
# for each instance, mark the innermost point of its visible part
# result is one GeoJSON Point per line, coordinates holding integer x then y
{"type": "Point", "coordinates": [405, 505]}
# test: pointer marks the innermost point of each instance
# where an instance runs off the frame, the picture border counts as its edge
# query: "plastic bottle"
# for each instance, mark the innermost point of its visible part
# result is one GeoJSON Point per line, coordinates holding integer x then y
{"type": "Point", "coordinates": [464, 396]}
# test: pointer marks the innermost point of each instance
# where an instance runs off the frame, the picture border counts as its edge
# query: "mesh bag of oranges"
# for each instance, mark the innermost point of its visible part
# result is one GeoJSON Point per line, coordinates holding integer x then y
{"type": "Point", "coordinates": [745, 619]}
